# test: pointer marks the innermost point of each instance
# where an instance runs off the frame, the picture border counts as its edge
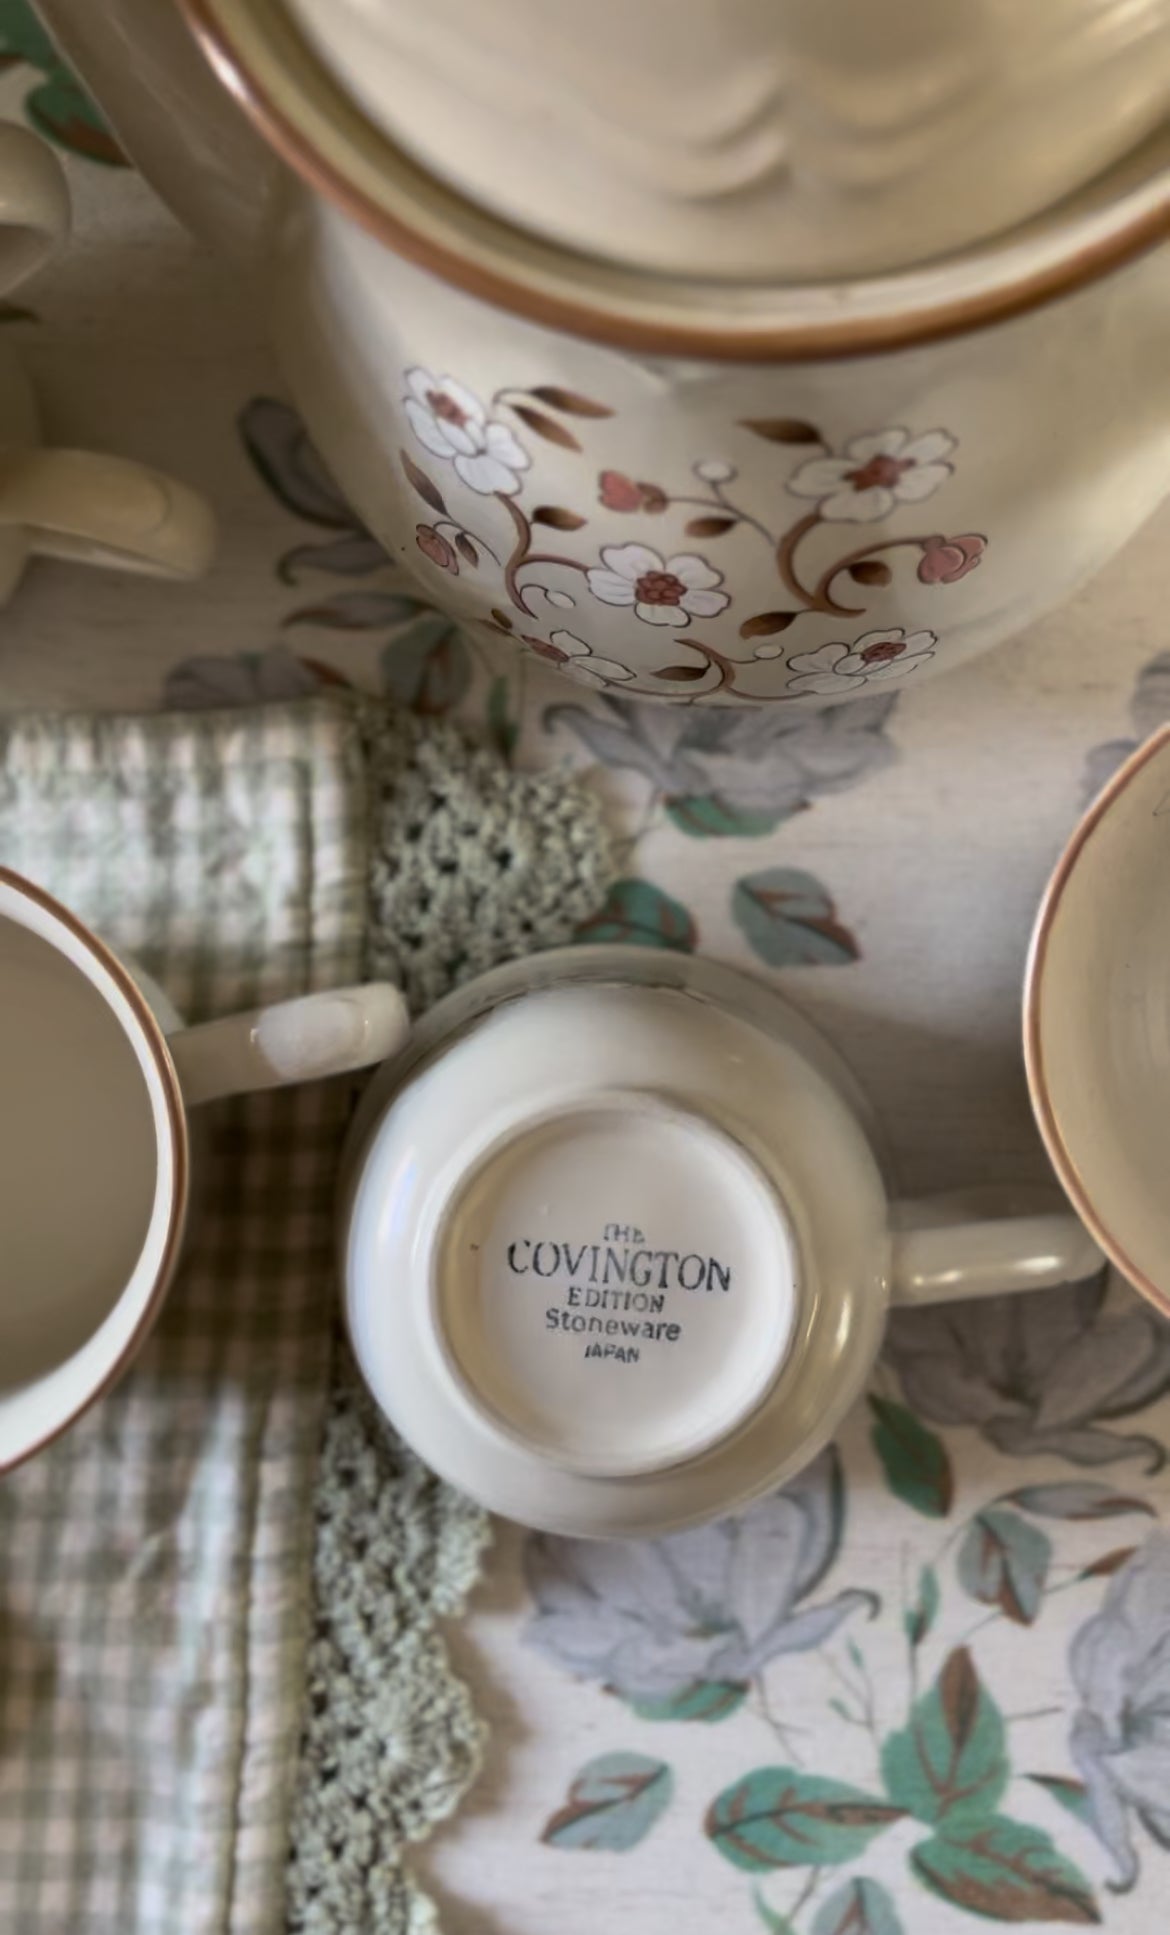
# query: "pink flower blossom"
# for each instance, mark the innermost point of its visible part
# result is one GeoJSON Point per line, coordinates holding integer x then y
{"type": "Point", "coordinates": [434, 546]}
{"type": "Point", "coordinates": [945, 560]}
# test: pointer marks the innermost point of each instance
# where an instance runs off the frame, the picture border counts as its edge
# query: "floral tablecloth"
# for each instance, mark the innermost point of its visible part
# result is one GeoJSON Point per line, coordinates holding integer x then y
{"type": "Point", "coordinates": [929, 1681]}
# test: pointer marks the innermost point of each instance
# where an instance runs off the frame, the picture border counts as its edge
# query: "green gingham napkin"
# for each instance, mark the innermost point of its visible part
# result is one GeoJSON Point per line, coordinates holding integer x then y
{"type": "Point", "coordinates": [155, 1564]}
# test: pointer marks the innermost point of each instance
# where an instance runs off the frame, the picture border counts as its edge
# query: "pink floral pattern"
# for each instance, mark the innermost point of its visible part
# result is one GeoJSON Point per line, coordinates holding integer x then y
{"type": "Point", "coordinates": [874, 656]}
{"type": "Point", "coordinates": [565, 648]}
{"type": "Point", "coordinates": [663, 591]}
{"type": "Point", "coordinates": [945, 560]}
{"type": "Point", "coordinates": [865, 480]}
{"type": "Point", "coordinates": [874, 473]}
{"type": "Point", "coordinates": [434, 546]}
{"type": "Point", "coordinates": [620, 493]}
{"type": "Point", "coordinates": [451, 422]}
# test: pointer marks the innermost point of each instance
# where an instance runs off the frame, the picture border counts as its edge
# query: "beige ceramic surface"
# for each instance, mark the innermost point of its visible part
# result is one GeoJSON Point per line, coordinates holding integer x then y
{"type": "Point", "coordinates": [616, 1246]}
{"type": "Point", "coordinates": [94, 1153]}
{"type": "Point", "coordinates": [312, 123]}
{"type": "Point", "coordinates": [668, 519]}
{"type": "Point", "coordinates": [34, 206]}
{"type": "Point", "coordinates": [705, 531]}
{"type": "Point", "coordinates": [70, 503]}
{"type": "Point", "coordinates": [753, 139]}
{"type": "Point", "coordinates": [1097, 1019]}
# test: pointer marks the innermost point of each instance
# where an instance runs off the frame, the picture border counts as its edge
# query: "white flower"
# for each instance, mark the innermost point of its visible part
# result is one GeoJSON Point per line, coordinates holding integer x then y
{"type": "Point", "coordinates": [662, 592]}
{"type": "Point", "coordinates": [876, 655]}
{"type": "Point", "coordinates": [654, 1618]}
{"type": "Point", "coordinates": [452, 423]}
{"type": "Point", "coordinates": [565, 647]}
{"type": "Point", "coordinates": [1120, 1662]}
{"type": "Point", "coordinates": [715, 470]}
{"type": "Point", "coordinates": [875, 472]}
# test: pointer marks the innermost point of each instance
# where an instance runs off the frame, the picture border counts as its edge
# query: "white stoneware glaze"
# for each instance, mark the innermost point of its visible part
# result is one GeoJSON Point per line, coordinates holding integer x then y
{"type": "Point", "coordinates": [96, 1077]}
{"type": "Point", "coordinates": [86, 506]}
{"type": "Point", "coordinates": [1097, 1019]}
{"type": "Point", "coordinates": [667, 485]}
{"type": "Point", "coordinates": [34, 206]}
{"type": "Point", "coordinates": [94, 509]}
{"type": "Point", "coordinates": [750, 138]}
{"type": "Point", "coordinates": [617, 1249]}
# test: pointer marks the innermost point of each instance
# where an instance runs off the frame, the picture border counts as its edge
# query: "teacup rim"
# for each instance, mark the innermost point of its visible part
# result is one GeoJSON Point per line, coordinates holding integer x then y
{"type": "Point", "coordinates": [434, 227]}
{"type": "Point", "coordinates": [1039, 1087]}
{"type": "Point", "coordinates": [156, 1043]}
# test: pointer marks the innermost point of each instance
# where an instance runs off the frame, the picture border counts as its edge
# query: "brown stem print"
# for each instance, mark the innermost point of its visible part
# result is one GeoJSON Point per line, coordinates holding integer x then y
{"type": "Point", "coordinates": [725, 670]}
{"type": "Point", "coordinates": [463, 531]}
{"type": "Point", "coordinates": [861, 556]}
{"type": "Point", "coordinates": [721, 503]}
{"type": "Point", "coordinates": [522, 554]}
{"type": "Point", "coordinates": [820, 598]}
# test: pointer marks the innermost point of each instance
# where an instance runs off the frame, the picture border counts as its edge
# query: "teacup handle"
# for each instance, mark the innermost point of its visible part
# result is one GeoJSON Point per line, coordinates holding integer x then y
{"type": "Point", "coordinates": [292, 1041]}
{"type": "Point", "coordinates": [941, 1258]}
{"type": "Point", "coordinates": [34, 205]}
{"type": "Point", "coordinates": [103, 510]}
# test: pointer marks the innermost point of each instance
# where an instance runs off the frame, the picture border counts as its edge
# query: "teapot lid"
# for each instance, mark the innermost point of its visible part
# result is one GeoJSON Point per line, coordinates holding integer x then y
{"type": "Point", "coordinates": [768, 141]}
{"type": "Point", "coordinates": [310, 119]}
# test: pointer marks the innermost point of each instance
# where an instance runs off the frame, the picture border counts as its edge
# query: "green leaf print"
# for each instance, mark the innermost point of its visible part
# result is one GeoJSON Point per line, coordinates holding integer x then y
{"type": "Point", "coordinates": [23, 38]}
{"type": "Point", "coordinates": [1072, 1795]}
{"type": "Point", "coordinates": [503, 730]}
{"type": "Point", "coordinates": [950, 1762]}
{"type": "Point", "coordinates": [635, 911]}
{"type": "Point", "coordinates": [426, 667]}
{"type": "Point", "coordinates": [861, 1907]}
{"type": "Point", "coordinates": [789, 920]}
{"type": "Point", "coordinates": [916, 1462]}
{"type": "Point", "coordinates": [61, 111]}
{"type": "Point", "coordinates": [775, 1923]}
{"type": "Point", "coordinates": [57, 107]}
{"type": "Point", "coordinates": [706, 1700]}
{"type": "Point", "coordinates": [613, 1803]}
{"type": "Point", "coordinates": [1006, 1870]}
{"type": "Point", "coordinates": [781, 1817]}
{"type": "Point", "coordinates": [358, 611]}
{"type": "Point", "coordinates": [705, 816]}
{"type": "Point", "coordinates": [920, 1617]}
{"type": "Point", "coordinates": [1003, 1561]}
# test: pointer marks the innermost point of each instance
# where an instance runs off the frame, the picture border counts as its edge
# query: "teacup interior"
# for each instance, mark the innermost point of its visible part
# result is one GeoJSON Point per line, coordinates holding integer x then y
{"type": "Point", "coordinates": [1099, 1025]}
{"type": "Point", "coordinates": [78, 1158]}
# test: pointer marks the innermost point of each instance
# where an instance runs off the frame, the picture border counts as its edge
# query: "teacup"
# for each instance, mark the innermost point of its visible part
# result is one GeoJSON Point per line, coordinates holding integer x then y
{"type": "Point", "coordinates": [96, 1078]}
{"type": "Point", "coordinates": [89, 507]}
{"type": "Point", "coordinates": [617, 1248]}
{"type": "Point", "coordinates": [1097, 1019]}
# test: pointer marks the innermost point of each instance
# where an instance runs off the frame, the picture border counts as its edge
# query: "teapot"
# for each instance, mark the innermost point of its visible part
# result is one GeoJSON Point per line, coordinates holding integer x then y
{"type": "Point", "coordinates": [696, 485]}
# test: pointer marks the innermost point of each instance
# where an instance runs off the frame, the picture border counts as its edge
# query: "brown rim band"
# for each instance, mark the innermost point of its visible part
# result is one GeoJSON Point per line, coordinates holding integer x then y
{"type": "Point", "coordinates": [1043, 1108]}
{"type": "Point", "coordinates": [177, 1120]}
{"type": "Point", "coordinates": [486, 274]}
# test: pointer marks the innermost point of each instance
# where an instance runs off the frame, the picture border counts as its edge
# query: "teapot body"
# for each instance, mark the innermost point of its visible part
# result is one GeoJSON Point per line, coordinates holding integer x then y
{"type": "Point", "coordinates": [726, 532]}
{"type": "Point", "coordinates": [675, 525]}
